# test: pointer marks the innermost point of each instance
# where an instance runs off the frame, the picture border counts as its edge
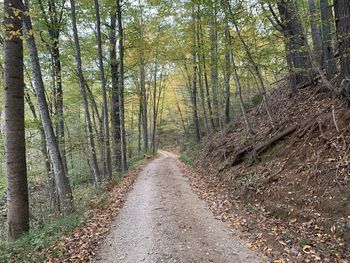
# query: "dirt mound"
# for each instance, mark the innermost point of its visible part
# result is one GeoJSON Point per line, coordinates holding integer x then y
{"type": "Point", "coordinates": [299, 174]}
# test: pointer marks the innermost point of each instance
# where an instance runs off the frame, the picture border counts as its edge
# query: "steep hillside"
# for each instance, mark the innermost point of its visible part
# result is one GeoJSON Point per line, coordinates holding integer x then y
{"type": "Point", "coordinates": [297, 177]}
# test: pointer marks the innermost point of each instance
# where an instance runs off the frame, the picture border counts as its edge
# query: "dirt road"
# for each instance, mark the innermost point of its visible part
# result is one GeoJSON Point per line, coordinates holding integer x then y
{"type": "Point", "coordinates": [164, 221]}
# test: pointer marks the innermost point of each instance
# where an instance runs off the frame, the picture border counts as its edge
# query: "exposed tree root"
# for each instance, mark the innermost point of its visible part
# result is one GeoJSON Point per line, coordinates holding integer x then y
{"type": "Point", "coordinates": [240, 154]}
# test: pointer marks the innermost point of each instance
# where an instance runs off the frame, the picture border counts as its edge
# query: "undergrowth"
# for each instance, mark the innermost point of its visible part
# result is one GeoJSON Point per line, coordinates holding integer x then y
{"type": "Point", "coordinates": [189, 151]}
{"type": "Point", "coordinates": [31, 246]}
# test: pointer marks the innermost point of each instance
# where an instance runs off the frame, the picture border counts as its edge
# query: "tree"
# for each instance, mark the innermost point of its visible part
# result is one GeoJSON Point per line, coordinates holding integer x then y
{"type": "Point", "coordinates": [228, 62]}
{"type": "Point", "coordinates": [61, 179]}
{"type": "Point", "coordinates": [342, 13]}
{"type": "Point", "coordinates": [194, 83]}
{"type": "Point", "coordinates": [15, 150]}
{"type": "Point", "coordinates": [295, 43]}
{"type": "Point", "coordinates": [315, 33]}
{"type": "Point", "coordinates": [143, 95]}
{"type": "Point", "coordinates": [82, 85]}
{"type": "Point", "coordinates": [262, 90]}
{"type": "Point", "coordinates": [53, 20]}
{"type": "Point", "coordinates": [107, 150]}
{"type": "Point", "coordinates": [214, 61]}
{"type": "Point", "coordinates": [115, 109]}
{"type": "Point", "coordinates": [124, 164]}
{"type": "Point", "coordinates": [327, 39]}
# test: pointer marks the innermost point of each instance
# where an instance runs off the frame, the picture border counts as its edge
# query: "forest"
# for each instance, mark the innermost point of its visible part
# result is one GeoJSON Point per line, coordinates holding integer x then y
{"type": "Point", "coordinates": [250, 97]}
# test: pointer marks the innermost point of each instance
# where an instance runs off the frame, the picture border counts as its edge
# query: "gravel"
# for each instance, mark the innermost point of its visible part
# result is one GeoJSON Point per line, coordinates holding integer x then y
{"type": "Point", "coordinates": [164, 221]}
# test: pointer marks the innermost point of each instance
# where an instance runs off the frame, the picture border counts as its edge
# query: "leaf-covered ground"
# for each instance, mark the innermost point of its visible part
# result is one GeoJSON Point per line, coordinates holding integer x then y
{"type": "Point", "coordinates": [82, 244]}
{"type": "Point", "coordinates": [292, 200]}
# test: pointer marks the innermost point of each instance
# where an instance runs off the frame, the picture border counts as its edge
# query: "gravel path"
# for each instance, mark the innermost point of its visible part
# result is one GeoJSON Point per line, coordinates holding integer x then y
{"type": "Point", "coordinates": [164, 221]}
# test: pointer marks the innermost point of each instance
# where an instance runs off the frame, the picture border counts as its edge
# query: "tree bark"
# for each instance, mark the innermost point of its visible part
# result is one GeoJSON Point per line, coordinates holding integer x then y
{"type": "Point", "coordinates": [143, 85]}
{"type": "Point", "coordinates": [52, 190]}
{"type": "Point", "coordinates": [295, 43]}
{"type": "Point", "coordinates": [61, 179]}
{"type": "Point", "coordinates": [15, 150]}
{"type": "Point", "coordinates": [228, 62]}
{"type": "Point", "coordinates": [200, 73]}
{"type": "Point", "coordinates": [114, 98]}
{"type": "Point", "coordinates": [53, 22]}
{"type": "Point", "coordinates": [315, 33]}
{"type": "Point", "coordinates": [214, 61]}
{"type": "Point", "coordinates": [327, 39]}
{"type": "Point", "coordinates": [124, 164]}
{"type": "Point", "coordinates": [194, 84]}
{"type": "Point", "coordinates": [342, 14]}
{"type": "Point", "coordinates": [106, 141]}
{"type": "Point", "coordinates": [82, 85]}
{"type": "Point", "coordinates": [262, 89]}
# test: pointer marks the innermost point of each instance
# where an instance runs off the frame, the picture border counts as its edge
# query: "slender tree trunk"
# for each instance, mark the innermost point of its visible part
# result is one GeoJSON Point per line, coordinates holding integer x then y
{"type": "Point", "coordinates": [315, 33]}
{"type": "Point", "coordinates": [15, 150]}
{"type": "Point", "coordinates": [61, 179]}
{"type": "Point", "coordinates": [214, 61]}
{"type": "Point", "coordinates": [143, 85]}
{"type": "Point", "coordinates": [53, 22]}
{"type": "Point", "coordinates": [139, 125]}
{"type": "Point", "coordinates": [200, 73]}
{"type": "Point", "coordinates": [121, 87]}
{"type": "Point", "coordinates": [52, 191]}
{"type": "Point", "coordinates": [155, 106]}
{"type": "Point", "coordinates": [239, 88]}
{"type": "Point", "coordinates": [194, 85]}
{"type": "Point", "coordinates": [327, 37]}
{"type": "Point", "coordinates": [82, 84]}
{"type": "Point", "coordinates": [106, 142]}
{"type": "Point", "coordinates": [262, 89]}
{"type": "Point", "coordinates": [114, 98]}
{"type": "Point", "coordinates": [203, 62]}
{"type": "Point", "coordinates": [228, 51]}
{"type": "Point", "coordinates": [180, 113]}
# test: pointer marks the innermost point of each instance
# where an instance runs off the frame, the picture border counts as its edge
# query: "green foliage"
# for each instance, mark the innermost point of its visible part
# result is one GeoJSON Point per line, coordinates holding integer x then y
{"type": "Point", "coordinates": [29, 247]}
{"type": "Point", "coordinates": [256, 99]}
{"type": "Point", "coordinates": [189, 151]}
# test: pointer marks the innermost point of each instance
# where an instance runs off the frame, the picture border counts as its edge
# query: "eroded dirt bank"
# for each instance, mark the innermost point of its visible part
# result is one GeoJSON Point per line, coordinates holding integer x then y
{"type": "Point", "coordinates": [164, 221]}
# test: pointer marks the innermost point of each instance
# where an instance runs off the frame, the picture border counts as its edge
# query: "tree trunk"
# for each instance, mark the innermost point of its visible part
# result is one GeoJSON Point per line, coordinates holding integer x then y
{"type": "Point", "coordinates": [214, 62]}
{"type": "Point", "coordinates": [295, 43]}
{"type": "Point", "coordinates": [15, 151]}
{"type": "Point", "coordinates": [194, 85]}
{"type": "Point", "coordinates": [228, 56]}
{"type": "Point", "coordinates": [53, 22]}
{"type": "Point", "coordinates": [143, 86]}
{"type": "Point", "coordinates": [121, 87]}
{"type": "Point", "coordinates": [106, 143]}
{"type": "Point", "coordinates": [262, 89]}
{"type": "Point", "coordinates": [154, 146]}
{"type": "Point", "coordinates": [82, 85]}
{"type": "Point", "coordinates": [200, 73]}
{"type": "Point", "coordinates": [327, 36]}
{"type": "Point", "coordinates": [61, 179]}
{"type": "Point", "coordinates": [52, 191]}
{"type": "Point", "coordinates": [315, 33]}
{"type": "Point", "coordinates": [342, 14]}
{"type": "Point", "coordinates": [114, 98]}
{"type": "Point", "coordinates": [239, 89]}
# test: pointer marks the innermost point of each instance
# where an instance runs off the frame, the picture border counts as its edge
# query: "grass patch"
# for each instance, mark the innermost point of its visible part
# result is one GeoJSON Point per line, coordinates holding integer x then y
{"type": "Point", "coordinates": [30, 247]}
{"type": "Point", "coordinates": [183, 158]}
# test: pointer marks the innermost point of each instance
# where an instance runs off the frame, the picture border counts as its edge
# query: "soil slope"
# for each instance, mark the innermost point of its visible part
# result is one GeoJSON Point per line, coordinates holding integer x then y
{"type": "Point", "coordinates": [298, 186]}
